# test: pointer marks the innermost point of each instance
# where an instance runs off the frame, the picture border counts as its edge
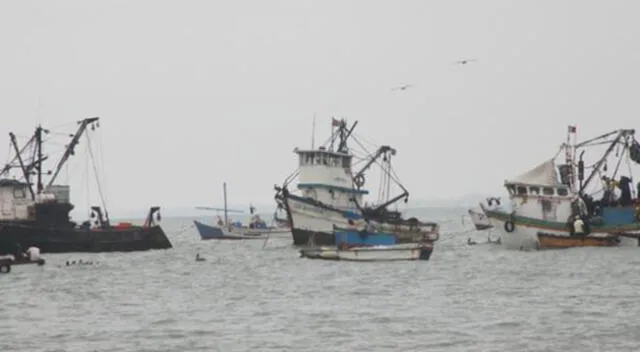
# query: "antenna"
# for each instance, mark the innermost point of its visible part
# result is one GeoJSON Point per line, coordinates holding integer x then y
{"type": "Point", "coordinates": [313, 132]}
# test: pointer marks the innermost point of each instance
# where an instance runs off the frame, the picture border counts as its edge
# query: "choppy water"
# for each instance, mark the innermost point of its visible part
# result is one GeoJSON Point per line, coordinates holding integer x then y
{"type": "Point", "coordinates": [245, 298]}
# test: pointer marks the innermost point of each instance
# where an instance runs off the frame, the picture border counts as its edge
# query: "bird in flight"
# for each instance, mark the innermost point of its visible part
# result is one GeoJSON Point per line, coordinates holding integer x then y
{"type": "Point", "coordinates": [464, 62]}
{"type": "Point", "coordinates": [404, 87]}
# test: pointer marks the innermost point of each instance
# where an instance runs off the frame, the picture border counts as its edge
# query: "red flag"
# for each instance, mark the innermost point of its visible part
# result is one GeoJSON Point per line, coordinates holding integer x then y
{"type": "Point", "coordinates": [572, 129]}
{"type": "Point", "coordinates": [335, 122]}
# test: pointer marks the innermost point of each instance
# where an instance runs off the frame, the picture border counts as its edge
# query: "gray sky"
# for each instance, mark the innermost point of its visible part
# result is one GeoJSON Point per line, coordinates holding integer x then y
{"type": "Point", "coordinates": [194, 93]}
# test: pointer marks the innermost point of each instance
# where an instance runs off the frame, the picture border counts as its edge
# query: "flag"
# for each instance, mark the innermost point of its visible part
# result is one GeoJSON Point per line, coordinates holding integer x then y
{"type": "Point", "coordinates": [335, 122]}
{"type": "Point", "coordinates": [572, 129]}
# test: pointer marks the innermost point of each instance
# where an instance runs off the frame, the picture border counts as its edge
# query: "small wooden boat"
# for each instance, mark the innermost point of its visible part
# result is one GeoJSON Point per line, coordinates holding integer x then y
{"type": "Point", "coordinates": [551, 241]}
{"type": "Point", "coordinates": [403, 252]}
{"type": "Point", "coordinates": [31, 257]}
{"type": "Point", "coordinates": [369, 245]}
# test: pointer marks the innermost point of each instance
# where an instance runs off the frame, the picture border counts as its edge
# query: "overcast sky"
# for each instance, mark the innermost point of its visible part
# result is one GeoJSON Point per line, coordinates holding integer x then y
{"type": "Point", "coordinates": [194, 93]}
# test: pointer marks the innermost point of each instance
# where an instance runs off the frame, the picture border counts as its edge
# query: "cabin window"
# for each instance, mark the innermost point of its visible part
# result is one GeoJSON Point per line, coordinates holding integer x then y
{"type": "Point", "coordinates": [548, 191]}
{"type": "Point", "coordinates": [563, 192]}
{"type": "Point", "coordinates": [19, 193]}
{"type": "Point", "coordinates": [522, 190]}
{"type": "Point", "coordinates": [346, 162]}
{"type": "Point", "coordinates": [534, 190]}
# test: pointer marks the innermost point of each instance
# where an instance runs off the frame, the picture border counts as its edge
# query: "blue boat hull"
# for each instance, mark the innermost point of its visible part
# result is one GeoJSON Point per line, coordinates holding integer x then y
{"type": "Point", "coordinates": [208, 232]}
{"type": "Point", "coordinates": [356, 238]}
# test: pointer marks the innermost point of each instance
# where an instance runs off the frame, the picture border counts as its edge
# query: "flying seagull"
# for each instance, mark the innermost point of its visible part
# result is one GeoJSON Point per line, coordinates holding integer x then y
{"type": "Point", "coordinates": [464, 62]}
{"type": "Point", "coordinates": [403, 87]}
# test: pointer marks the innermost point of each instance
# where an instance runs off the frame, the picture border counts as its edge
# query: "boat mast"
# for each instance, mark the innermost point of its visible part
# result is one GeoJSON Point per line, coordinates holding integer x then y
{"type": "Point", "coordinates": [25, 172]}
{"type": "Point", "coordinates": [570, 154]}
{"type": "Point", "coordinates": [224, 190]}
{"type": "Point", "coordinates": [39, 164]}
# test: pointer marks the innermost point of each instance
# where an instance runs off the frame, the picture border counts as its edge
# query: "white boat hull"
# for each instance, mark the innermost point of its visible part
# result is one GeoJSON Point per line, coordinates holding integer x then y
{"type": "Point", "coordinates": [310, 221]}
{"type": "Point", "coordinates": [526, 238]}
{"type": "Point", "coordinates": [371, 254]}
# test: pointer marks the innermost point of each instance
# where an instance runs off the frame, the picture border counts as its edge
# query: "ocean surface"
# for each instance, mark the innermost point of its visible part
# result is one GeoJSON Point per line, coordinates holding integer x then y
{"type": "Point", "coordinates": [249, 298]}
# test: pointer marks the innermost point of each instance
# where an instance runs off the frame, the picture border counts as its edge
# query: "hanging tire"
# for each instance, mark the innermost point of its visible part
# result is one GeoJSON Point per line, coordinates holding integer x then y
{"type": "Point", "coordinates": [509, 226]}
{"type": "Point", "coordinates": [359, 180]}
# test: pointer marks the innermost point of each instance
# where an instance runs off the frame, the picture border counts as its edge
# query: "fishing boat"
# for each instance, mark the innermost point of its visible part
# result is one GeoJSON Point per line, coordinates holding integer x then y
{"type": "Point", "coordinates": [331, 193]}
{"type": "Point", "coordinates": [372, 245]}
{"type": "Point", "coordinates": [226, 230]}
{"type": "Point", "coordinates": [35, 214]}
{"type": "Point", "coordinates": [31, 257]}
{"type": "Point", "coordinates": [410, 251]}
{"type": "Point", "coordinates": [555, 207]}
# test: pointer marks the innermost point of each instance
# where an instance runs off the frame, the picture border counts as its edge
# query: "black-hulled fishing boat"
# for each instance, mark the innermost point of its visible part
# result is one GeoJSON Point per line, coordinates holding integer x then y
{"type": "Point", "coordinates": [34, 214]}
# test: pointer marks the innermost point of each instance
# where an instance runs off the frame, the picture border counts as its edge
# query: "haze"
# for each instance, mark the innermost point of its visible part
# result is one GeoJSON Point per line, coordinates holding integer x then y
{"type": "Point", "coordinates": [195, 93]}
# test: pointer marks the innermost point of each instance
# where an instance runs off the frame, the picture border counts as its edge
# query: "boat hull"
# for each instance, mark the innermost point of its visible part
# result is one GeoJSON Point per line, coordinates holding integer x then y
{"type": "Point", "coordinates": [521, 233]}
{"type": "Point", "coordinates": [61, 240]}
{"type": "Point", "coordinates": [314, 223]}
{"type": "Point", "coordinates": [370, 254]}
{"type": "Point", "coordinates": [550, 241]}
{"type": "Point", "coordinates": [305, 237]}
{"type": "Point", "coordinates": [208, 232]}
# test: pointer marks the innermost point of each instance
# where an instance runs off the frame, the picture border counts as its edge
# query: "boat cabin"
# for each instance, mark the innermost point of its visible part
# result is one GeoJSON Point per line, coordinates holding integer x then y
{"type": "Point", "coordinates": [326, 176]}
{"type": "Point", "coordinates": [539, 193]}
{"type": "Point", "coordinates": [16, 202]}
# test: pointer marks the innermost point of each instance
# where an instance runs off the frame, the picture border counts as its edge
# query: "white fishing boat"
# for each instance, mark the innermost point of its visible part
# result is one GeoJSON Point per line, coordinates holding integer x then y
{"type": "Point", "coordinates": [551, 207]}
{"type": "Point", "coordinates": [331, 193]}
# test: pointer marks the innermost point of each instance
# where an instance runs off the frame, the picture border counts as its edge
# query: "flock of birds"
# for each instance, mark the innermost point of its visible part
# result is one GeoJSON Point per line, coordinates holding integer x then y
{"type": "Point", "coordinates": [459, 62]}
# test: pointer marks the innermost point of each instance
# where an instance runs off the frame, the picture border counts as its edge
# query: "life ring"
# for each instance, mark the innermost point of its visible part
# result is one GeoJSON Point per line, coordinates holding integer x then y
{"type": "Point", "coordinates": [509, 226]}
{"type": "Point", "coordinates": [359, 180]}
{"type": "Point", "coordinates": [5, 268]}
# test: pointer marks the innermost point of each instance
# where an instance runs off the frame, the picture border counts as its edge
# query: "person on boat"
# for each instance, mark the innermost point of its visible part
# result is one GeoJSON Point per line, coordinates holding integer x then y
{"type": "Point", "coordinates": [20, 254]}
{"type": "Point", "coordinates": [369, 227]}
{"type": "Point", "coordinates": [609, 195]}
{"type": "Point", "coordinates": [578, 226]}
{"type": "Point", "coordinates": [625, 191]}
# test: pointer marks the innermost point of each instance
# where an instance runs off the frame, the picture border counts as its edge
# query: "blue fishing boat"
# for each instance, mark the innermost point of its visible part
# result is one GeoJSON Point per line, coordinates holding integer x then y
{"type": "Point", "coordinates": [226, 230]}
{"type": "Point", "coordinates": [209, 232]}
